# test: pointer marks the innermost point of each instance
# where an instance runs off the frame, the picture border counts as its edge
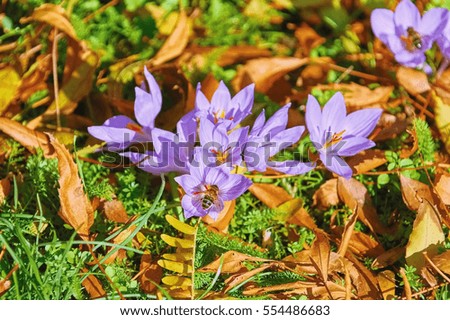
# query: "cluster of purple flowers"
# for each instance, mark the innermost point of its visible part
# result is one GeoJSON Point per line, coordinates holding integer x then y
{"type": "Point", "coordinates": [409, 35]}
{"type": "Point", "coordinates": [210, 145]}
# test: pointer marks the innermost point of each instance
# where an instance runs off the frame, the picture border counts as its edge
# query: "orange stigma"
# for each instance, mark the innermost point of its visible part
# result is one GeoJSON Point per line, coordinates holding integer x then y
{"type": "Point", "coordinates": [134, 127]}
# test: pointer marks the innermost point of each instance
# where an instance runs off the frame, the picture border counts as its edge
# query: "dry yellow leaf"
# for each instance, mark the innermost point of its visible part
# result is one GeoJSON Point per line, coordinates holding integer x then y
{"type": "Point", "coordinates": [426, 235]}
{"type": "Point", "coordinates": [442, 118]}
{"type": "Point", "coordinates": [9, 82]}
{"type": "Point", "coordinates": [180, 226]}
{"type": "Point", "coordinates": [176, 281]}
{"type": "Point", "coordinates": [179, 256]}
{"type": "Point", "coordinates": [174, 266]}
{"type": "Point", "coordinates": [177, 242]}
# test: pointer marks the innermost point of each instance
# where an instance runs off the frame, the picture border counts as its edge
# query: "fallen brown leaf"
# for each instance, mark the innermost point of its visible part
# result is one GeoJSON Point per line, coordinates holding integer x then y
{"type": "Point", "coordinates": [115, 211]}
{"type": "Point", "coordinates": [320, 254]}
{"type": "Point", "coordinates": [414, 81]}
{"type": "Point", "coordinates": [223, 220]}
{"type": "Point", "coordinates": [269, 194]}
{"type": "Point", "coordinates": [358, 97]}
{"type": "Point", "coordinates": [76, 209]}
{"type": "Point", "coordinates": [386, 280]}
{"type": "Point", "coordinates": [5, 188]}
{"type": "Point", "coordinates": [367, 160]}
{"type": "Point", "coordinates": [388, 257]}
{"type": "Point", "coordinates": [442, 183]}
{"type": "Point", "coordinates": [53, 15]}
{"type": "Point", "coordinates": [93, 286]}
{"type": "Point", "coordinates": [442, 261]}
{"type": "Point", "coordinates": [150, 272]}
{"type": "Point", "coordinates": [414, 192]}
{"type": "Point", "coordinates": [28, 138]}
{"type": "Point", "coordinates": [176, 42]}
{"type": "Point", "coordinates": [308, 39]}
{"type": "Point", "coordinates": [264, 72]}
{"type": "Point", "coordinates": [327, 195]}
{"type": "Point", "coordinates": [354, 194]}
{"type": "Point", "coordinates": [233, 262]}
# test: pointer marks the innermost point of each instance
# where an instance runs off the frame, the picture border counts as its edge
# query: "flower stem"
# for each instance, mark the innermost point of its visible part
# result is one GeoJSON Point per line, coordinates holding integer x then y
{"type": "Point", "coordinates": [175, 195]}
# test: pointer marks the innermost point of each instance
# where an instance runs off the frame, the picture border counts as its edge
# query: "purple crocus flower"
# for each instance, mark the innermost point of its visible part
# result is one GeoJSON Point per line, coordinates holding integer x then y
{"type": "Point", "coordinates": [335, 134]}
{"type": "Point", "coordinates": [444, 41]}
{"type": "Point", "coordinates": [172, 152]}
{"type": "Point", "coordinates": [218, 146]}
{"type": "Point", "coordinates": [207, 188]}
{"type": "Point", "coordinates": [223, 108]}
{"type": "Point", "coordinates": [267, 138]}
{"type": "Point", "coordinates": [120, 131]}
{"type": "Point", "coordinates": [407, 34]}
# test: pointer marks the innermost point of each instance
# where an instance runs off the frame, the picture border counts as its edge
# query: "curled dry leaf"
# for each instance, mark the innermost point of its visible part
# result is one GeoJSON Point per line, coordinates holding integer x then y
{"type": "Point", "coordinates": [426, 236]}
{"type": "Point", "coordinates": [28, 138]}
{"type": "Point", "coordinates": [354, 194]}
{"type": "Point", "coordinates": [414, 192]}
{"type": "Point", "coordinates": [442, 261]}
{"type": "Point", "coordinates": [115, 211]}
{"type": "Point", "coordinates": [442, 185]}
{"type": "Point", "coordinates": [236, 280]}
{"type": "Point", "coordinates": [414, 81]}
{"type": "Point", "coordinates": [150, 272]}
{"type": "Point", "coordinates": [93, 286]}
{"type": "Point", "coordinates": [233, 262]}
{"type": "Point", "coordinates": [79, 81]}
{"type": "Point", "coordinates": [76, 209]}
{"type": "Point", "coordinates": [264, 72]}
{"type": "Point", "coordinates": [367, 160]}
{"type": "Point", "coordinates": [293, 212]}
{"type": "Point", "coordinates": [320, 254]}
{"type": "Point", "coordinates": [269, 194]}
{"type": "Point", "coordinates": [391, 126]}
{"type": "Point", "coordinates": [223, 220]}
{"type": "Point", "coordinates": [327, 195]}
{"type": "Point", "coordinates": [5, 188]}
{"type": "Point", "coordinates": [358, 97]}
{"type": "Point", "coordinates": [388, 257]}
{"type": "Point", "coordinates": [53, 15]}
{"type": "Point", "coordinates": [308, 39]}
{"type": "Point", "coordinates": [176, 42]}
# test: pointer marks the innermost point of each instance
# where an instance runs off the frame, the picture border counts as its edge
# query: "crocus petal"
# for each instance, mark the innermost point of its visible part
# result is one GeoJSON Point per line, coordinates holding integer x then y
{"type": "Point", "coordinates": [189, 183]}
{"type": "Point", "coordinates": [221, 98]}
{"type": "Point", "coordinates": [154, 88]}
{"type": "Point", "coordinates": [337, 165]}
{"type": "Point", "coordinates": [187, 128]}
{"type": "Point", "coordinates": [406, 15]}
{"type": "Point", "coordinates": [216, 176]}
{"type": "Point", "coordinates": [433, 23]}
{"type": "Point", "coordinates": [292, 167]}
{"type": "Point", "coordinates": [191, 207]}
{"type": "Point", "coordinates": [362, 122]}
{"type": "Point", "coordinates": [410, 59]}
{"type": "Point", "coordinates": [285, 139]}
{"type": "Point", "coordinates": [258, 124]}
{"type": "Point", "coordinates": [146, 162]}
{"type": "Point", "coordinates": [313, 118]}
{"type": "Point", "coordinates": [162, 139]}
{"type": "Point", "coordinates": [213, 135]}
{"type": "Point", "coordinates": [333, 114]}
{"type": "Point", "coordinates": [354, 145]}
{"type": "Point", "coordinates": [201, 103]}
{"type": "Point", "coordinates": [115, 130]}
{"type": "Point", "coordinates": [244, 99]}
{"type": "Point", "coordinates": [216, 208]}
{"type": "Point", "coordinates": [145, 108]}
{"type": "Point", "coordinates": [382, 21]}
{"type": "Point", "coordinates": [233, 186]}
{"type": "Point", "coordinates": [277, 122]}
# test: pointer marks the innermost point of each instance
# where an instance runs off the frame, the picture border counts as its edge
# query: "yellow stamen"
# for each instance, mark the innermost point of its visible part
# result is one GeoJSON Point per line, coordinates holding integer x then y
{"type": "Point", "coordinates": [335, 138]}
